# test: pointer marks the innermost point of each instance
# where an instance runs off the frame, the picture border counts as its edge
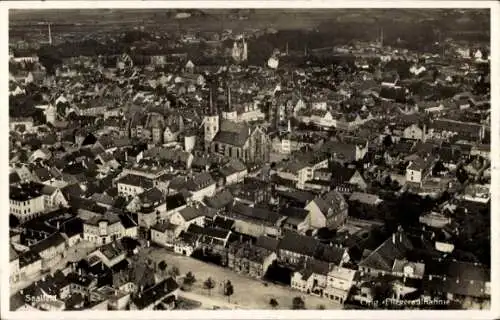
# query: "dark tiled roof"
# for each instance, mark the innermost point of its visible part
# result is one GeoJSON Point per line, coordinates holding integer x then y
{"type": "Point", "coordinates": [52, 241]}
{"type": "Point", "coordinates": [331, 200]}
{"type": "Point", "coordinates": [162, 227]}
{"type": "Point", "coordinates": [199, 181]}
{"type": "Point", "coordinates": [314, 266]}
{"type": "Point", "coordinates": [220, 200]}
{"type": "Point", "coordinates": [14, 178]}
{"type": "Point", "coordinates": [295, 242]}
{"type": "Point", "coordinates": [135, 180]}
{"type": "Point", "coordinates": [72, 191]}
{"type": "Point", "coordinates": [112, 250]}
{"type": "Point", "coordinates": [210, 232]}
{"type": "Point", "coordinates": [12, 254]}
{"type": "Point", "coordinates": [17, 300]}
{"type": "Point", "coordinates": [151, 196]}
{"type": "Point", "coordinates": [467, 128]}
{"type": "Point", "coordinates": [127, 221]}
{"type": "Point", "coordinates": [72, 227]}
{"type": "Point", "coordinates": [28, 257]}
{"type": "Point", "coordinates": [26, 191]}
{"type": "Point", "coordinates": [344, 151]}
{"type": "Point", "coordinates": [175, 201]}
{"type": "Point", "coordinates": [43, 174]}
{"type": "Point", "coordinates": [111, 218]}
{"type": "Point", "coordinates": [458, 270]}
{"type": "Point", "coordinates": [297, 195]}
{"type": "Point", "coordinates": [102, 198]}
{"type": "Point", "coordinates": [155, 293]}
{"type": "Point", "coordinates": [449, 285]}
{"type": "Point", "coordinates": [267, 243]}
{"type": "Point", "coordinates": [341, 174]}
{"type": "Point", "coordinates": [329, 254]}
{"type": "Point", "coordinates": [223, 223]}
{"type": "Point", "coordinates": [294, 212]}
{"type": "Point", "coordinates": [255, 213]}
{"type": "Point", "coordinates": [382, 258]}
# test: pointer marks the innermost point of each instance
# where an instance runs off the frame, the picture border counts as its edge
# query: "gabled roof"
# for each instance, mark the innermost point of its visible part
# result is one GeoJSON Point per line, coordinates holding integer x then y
{"type": "Point", "coordinates": [314, 267]}
{"type": "Point", "coordinates": [162, 227]}
{"type": "Point", "coordinates": [102, 198]}
{"type": "Point", "coordinates": [72, 227]}
{"type": "Point", "coordinates": [135, 180]}
{"type": "Point", "coordinates": [366, 198]}
{"type": "Point", "coordinates": [12, 254]}
{"type": "Point", "coordinates": [153, 195]}
{"type": "Point", "coordinates": [383, 257]}
{"type": "Point", "coordinates": [220, 200]}
{"type": "Point", "coordinates": [332, 200]}
{"type": "Point", "coordinates": [298, 243]}
{"type": "Point", "coordinates": [223, 223]}
{"type": "Point", "coordinates": [207, 231]}
{"type": "Point", "coordinates": [14, 178]}
{"type": "Point", "coordinates": [341, 174]}
{"type": "Point", "coordinates": [53, 240]}
{"type": "Point", "coordinates": [175, 201]}
{"type": "Point", "coordinates": [256, 214]}
{"type": "Point", "coordinates": [191, 212]}
{"type": "Point", "coordinates": [155, 293]}
{"type": "Point", "coordinates": [267, 243]}
{"type": "Point", "coordinates": [344, 151]}
{"type": "Point", "coordinates": [200, 181]}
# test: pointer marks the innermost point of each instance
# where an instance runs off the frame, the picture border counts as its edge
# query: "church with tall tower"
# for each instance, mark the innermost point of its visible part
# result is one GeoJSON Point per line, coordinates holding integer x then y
{"type": "Point", "coordinates": [229, 113]}
{"type": "Point", "coordinates": [240, 50]}
{"type": "Point", "coordinates": [210, 124]}
{"type": "Point", "coordinates": [232, 139]}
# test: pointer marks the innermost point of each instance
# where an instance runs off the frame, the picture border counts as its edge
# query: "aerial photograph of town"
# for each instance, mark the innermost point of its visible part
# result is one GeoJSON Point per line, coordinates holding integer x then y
{"type": "Point", "coordinates": [243, 159]}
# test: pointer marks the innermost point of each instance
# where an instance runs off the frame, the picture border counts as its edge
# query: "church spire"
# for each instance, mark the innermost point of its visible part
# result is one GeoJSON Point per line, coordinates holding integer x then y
{"type": "Point", "coordinates": [50, 35]}
{"type": "Point", "coordinates": [211, 103]}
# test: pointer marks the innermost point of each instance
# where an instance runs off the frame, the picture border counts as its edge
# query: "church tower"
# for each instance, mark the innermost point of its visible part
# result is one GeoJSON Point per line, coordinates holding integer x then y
{"type": "Point", "coordinates": [229, 113]}
{"type": "Point", "coordinates": [240, 50]}
{"type": "Point", "coordinates": [244, 53]}
{"type": "Point", "coordinates": [211, 124]}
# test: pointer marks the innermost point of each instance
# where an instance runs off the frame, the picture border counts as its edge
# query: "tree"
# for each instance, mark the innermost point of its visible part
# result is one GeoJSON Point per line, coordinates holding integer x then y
{"type": "Point", "coordinates": [298, 303]}
{"type": "Point", "coordinates": [273, 303]}
{"type": "Point", "coordinates": [174, 272]}
{"type": "Point", "coordinates": [130, 244]}
{"type": "Point", "coordinates": [382, 291]}
{"type": "Point", "coordinates": [387, 181]}
{"type": "Point", "coordinates": [13, 221]}
{"type": "Point", "coordinates": [438, 168]}
{"type": "Point", "coordinates": [209, 284]}
{"type": "Point", "coordinates": [162, 266]}
{"type": "Point", "coordinates": [387, 142]}
{"type": "Point", "coordinates": [228, 290]}
{"type": "Point", "coordinates": [50, 58]}
{"type": "Point", "coordinates": [189, 279]}
{"type": "Point", "coordinates": [462, 175]}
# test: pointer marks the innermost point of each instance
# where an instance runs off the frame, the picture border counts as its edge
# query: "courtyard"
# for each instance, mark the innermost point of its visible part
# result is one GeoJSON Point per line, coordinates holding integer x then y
{"type": "Point", "coordinates": [249, 293]}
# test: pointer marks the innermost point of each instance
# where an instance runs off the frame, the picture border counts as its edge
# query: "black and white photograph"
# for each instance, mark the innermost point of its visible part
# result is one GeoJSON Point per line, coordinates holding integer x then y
{"type": "Point", "coordinates": [175, 159]}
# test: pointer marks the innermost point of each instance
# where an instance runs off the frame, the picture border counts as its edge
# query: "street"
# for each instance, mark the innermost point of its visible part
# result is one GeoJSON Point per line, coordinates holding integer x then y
{"type": "Point", "coordinates": [248, 292]}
